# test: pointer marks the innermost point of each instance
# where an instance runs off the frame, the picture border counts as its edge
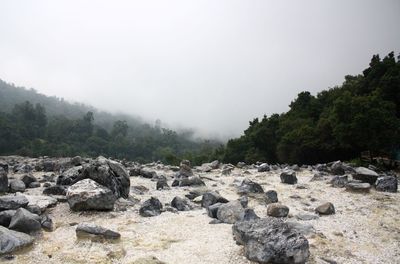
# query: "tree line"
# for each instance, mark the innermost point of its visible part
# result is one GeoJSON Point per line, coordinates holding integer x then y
{"type": "Point", "coordinates": [363, 114]}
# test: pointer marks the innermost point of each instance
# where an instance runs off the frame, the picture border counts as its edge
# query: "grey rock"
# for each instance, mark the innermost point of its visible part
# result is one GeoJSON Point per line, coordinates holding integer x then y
{"type": "Point", "coordinates": [325, 209]}
{"type": "Point", "coordinates": [247, 186]}
{"type": "Point", "coordinates": [3, 181]}
{"type": "Point", "coordinates": [387, 184]}
{"type": "Point", "coordinates": [244, 201]}
{"type": "Point", "coordinates": [288, 177]}
{"type": "Point", "coordinates": [89, 195]}
{"type": "Point", "coordinates": [11, 202]}
{"type": "Point", "coordinates": [70, 176]}
{"type": "Point", "coordinates": [277, 210]}
{"type": "Point", "coordinates": [55, 190]}
{"type": "Point", "coordinates": [151, 207]}
{"type": "Point", "coordinates": [181, 204]}
{"type": "Point", "coordinates": [88, 230]}
{"type": "Point", "coordinates": [17, 186]}
{"type": "Point", "coordinates": [25, 221]}
{"type": "Point", "coordinates": [191, 181]}
{"type": "Point", "coordinates": [271, 196]}
{"type": "Point", "coordinates": [41, 201]}
{"type": "Point", "coordinates": [34, 185]}
{"type": "Point", "coordinates": [34, 209]}
{"type": "Point", "coordinates": [362, 187]}
{"type": "Point", "coordinates": [263, 167]}
{"type": "Point", "coordinates": [162, 184]}
{"type": "Point", "coordinates": [270, 240]}
{"type": "Point", "coordinates": [28, 179]}
{"type": "Point", "coordinates": [76, 161]}
{"type": "Point", "coordinates": [240, 164]}
{"type": "Point", "coordinates": [212, 210]}
{"type": "Point", "coordinates": [339, 181]}
{"type": "Point", "coordinates": [306, 217]}
{"type": "Point", "coordinates": [210, 198]}
{"type": "Point", "coordinates": [11, 241]}
{"type": "Point", "coordinates": [337, 168]}
{"type": "Point", "coordinates": [47, 223]}
{"type": "Point", "coordinates": [365, 175]}
{"type": "Point", "coordinates": [230, 212]}
{"type": "Point", "coordinates": [5, 217]}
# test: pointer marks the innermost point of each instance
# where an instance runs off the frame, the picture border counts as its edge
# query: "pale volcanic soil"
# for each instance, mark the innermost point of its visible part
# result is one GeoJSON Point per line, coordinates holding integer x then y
{"type": "Point", "coordinates": [365, 228]}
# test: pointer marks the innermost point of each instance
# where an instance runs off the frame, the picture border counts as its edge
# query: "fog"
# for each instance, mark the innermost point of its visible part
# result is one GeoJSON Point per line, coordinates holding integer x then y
{"type": "Point", "coordinates": [211, 65]}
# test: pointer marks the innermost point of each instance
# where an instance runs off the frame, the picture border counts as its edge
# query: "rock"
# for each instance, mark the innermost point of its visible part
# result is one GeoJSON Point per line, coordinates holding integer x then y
{"type": "Point", "coordinates": [89, 195]}
{"type": "Point", "coordinates": [5, 217]}
{"type": "Point", "coordinates": [191, 181]}
{"type": "Point", "coordinates": [76, 161]}
{"type": "Point", "coordinates": [3, 181]}
{"type": "Point", "coordinates": [321, 167]}
{"type": "Point", "coordinates": [263, 167]}
{"type": "Point", "coordinates": [87, 230]}
{"type": "Point", "coordinates": [43, 202]}
{"type": "Point", "coordinates": [358, 186]}
{"type": "Point", "coordinates": [248, 215]}
{"type": "Point", "coordinates": [325, 209]}
{"type": "Point", "coordinates": [33, 185]}
{"type": "Point", "coordinates": [17, 186]}
{"type": "Point", "coordinates": [271, 196]}
{"type": "Point", "coordinates": [304, 229]}
{"type": "Point", "coordinates": [240, 164]}
{"type": "Point", "coordinates": [210, 198]}
{"type": "Point", "coordinates": [288, 177]}
{"type": "Point", "coordinates": [70, 176]}
{"type": "Point", "coordinates": [270, 240]}
{"type": "Point", "coordinates": [24, 168]}
{"type": "Point", "coordinates": [47, 223]}
{"type": "Point", "coordinates": [339, 181]}
{"type": "Point", "coordinates": [230, 212]}
{"type": "Point", "coordinates": [277, 210]}
{"type": "Point", "coordinates": [212, 210]}
{"type": "Point", "coordinates": [11, 241]}
{"type": "Point", "coordinates": [55, 190]}
{"type": "Point", "coordinates": [247, 186]}
{"type": "Point", "coordinates": [244, 201]}
{"type": "Point", "coordinates": [151, 207]}
{"type": "Point", "coordinates": [318, 176]}
{"type": "Point", "coordinates": [25, 221]}
{"type": "Point", "coordinates": [185, 170]}
{"type": "Point", "coordinates": [227, 170]}
{"type": "Point", "coordinates": [365, 175]}
{"type": "Point", "coordinates": [49, 165]}
{"type": "Point", "coordinates": [34, 209]}
{"type": "Point", "coordinates": [11, 202]}
{"type": "Point", "coordinates": [181, 204]}
{"type": "Point", "coordinates": [148, 174]}
{"type": "Point", "coordinates": [206, 167]}
{"type": "Point", "coordinates": [162, 184]}
{"type": "Point", "coordinates": [28, 179]}
{"type": "Point", "coordinates": [193, 194]}
{"type": "Point", "coordinates": [139, 189]}
{"type": "Point", "coordinates": [387, 184]}
{"type": "Point", "coordinates": [306, 217]}
{"type": "Point", "coordinates": [4, 166]}
{"type": "Point", "coordinates": [337, 168]}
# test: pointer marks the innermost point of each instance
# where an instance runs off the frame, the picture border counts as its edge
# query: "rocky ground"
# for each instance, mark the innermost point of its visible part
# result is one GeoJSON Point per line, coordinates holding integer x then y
{"type": "Point", "coordinates": [361, 225]}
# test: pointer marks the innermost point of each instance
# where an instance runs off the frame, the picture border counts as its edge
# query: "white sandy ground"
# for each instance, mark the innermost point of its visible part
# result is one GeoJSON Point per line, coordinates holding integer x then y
{"type": "Point", "coordinates": [365, 228]}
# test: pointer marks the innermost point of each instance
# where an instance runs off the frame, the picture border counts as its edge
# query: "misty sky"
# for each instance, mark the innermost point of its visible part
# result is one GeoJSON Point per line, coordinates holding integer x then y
{"type": "Point", "coordinates": [212, 65]}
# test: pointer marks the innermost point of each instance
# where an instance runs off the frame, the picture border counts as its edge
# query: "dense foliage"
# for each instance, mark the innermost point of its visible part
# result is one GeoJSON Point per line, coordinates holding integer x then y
{"type": "Point", "coordinates": [363, 114]}
{"type": "Point", "coordinates": [67, 129]}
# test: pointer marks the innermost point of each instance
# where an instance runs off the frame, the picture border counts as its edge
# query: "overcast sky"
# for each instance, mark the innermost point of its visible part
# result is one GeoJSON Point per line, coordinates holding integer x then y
{"type": "Point", "coordinates": [213, 65]}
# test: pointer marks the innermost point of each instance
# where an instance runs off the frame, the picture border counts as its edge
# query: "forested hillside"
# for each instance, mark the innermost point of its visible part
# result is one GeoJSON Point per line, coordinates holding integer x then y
{"type": "Point", "coordinates": [363, 114]}
{"type": "Point", "coordinates": [33, 124]}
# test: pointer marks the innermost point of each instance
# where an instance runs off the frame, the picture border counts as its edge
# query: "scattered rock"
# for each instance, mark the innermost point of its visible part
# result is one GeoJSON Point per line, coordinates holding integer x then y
{"type": "Point", "coordinates": [181, 204]}
{"type": "Point", "coordinates": [306, 217]}
{"type": "Point", "coordinates": [12, 240]}
{"type": "Point", "coordinates": [17, 186]}
{"type": "Point", "coordinates": [271, 196]}
{"type": "Point", "coordinates": [162, 184]}
{"type": "Point", "coordinates": [365, 175]}
{"type": "Point", "coordinates": [191, 181]}
{"type": "Point", "coordinates": [87, 230]}
{"type": "Point", "coordinates": [325, 209]}
{"type": "Point", "coordinates": [42, 201]}
{"type": "Point", "coordinates": [5, 217]}
{"type": "Point", "coordinates": [151, 207]}
{"type": "Point", "coordinates": [263, 167]}
{"type": "Point", "coordinates": [288, 177]}
{"type": "Point", "coordinates": [337, 168]}
{"type": "Point", "coordinates": [28, 179]}
{"type": "Point", "coordinates": [55, 190]}
{"type": "Point", "coordinates": [247, 186]}
{"type": "Point", "coordinates": [3, 180]}
{"type": "Point", "coordinates": [230, 212]}
{"type": "Point", "coordinates": [358, 186]}
{"type": "Point", "coordinates": [89, 195]}
{"type": "Point", "coordinates": [339, 181]}
{"type": "Point", "coordinates": [387, 184]}
{"type": "Point", "coordinates": [11, 202]}
{"type": "Point", "coordinates": [25, 221]}
{"type": "Point", "coordinates": [277, 210]}
{"type": "Point", "coordinates": [47, 223]}
{"type": "Point", "coordinates": [70, 176]}
{"type": "Point", "coordinates": [270, 240]}
{"type": "Point", "coordinates": [33, 185]}
{"type": "Point", "coordinates": [210, 198]}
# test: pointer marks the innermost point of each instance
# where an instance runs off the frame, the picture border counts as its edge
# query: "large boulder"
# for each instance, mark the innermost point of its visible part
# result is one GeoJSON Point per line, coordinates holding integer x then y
{"type": "Point", "coordinates": [11, 241]}
{"type": "Point", "coordinates": [365, 175]}
{"type": "Point", "coordinates": [25, 221]}
{"type": "Point", "coordinates": [89, 230]}
{"type": "Point", "coordinates": [387, 184]}
{"type": "Point", "coordinates": [17, 186]}
{"type": "Point", "coordinates": [3, 181]}
{"type": "Point", "coordinates": [11, 202]}
{"type": "Point", "coordinates": [89, 195]}
{"type": "Point", "coordinates": [151, 207]}
{"type": "Point", "coordinates": [270, 240]}
{"type": "Point", "coordinates": [288, 177]}
{"type": "Point", "coordinates": [247, 186]}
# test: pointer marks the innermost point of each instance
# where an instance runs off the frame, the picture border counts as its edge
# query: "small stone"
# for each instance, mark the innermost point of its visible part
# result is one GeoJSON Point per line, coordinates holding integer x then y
{"type": "Point", "coordinates": [277, 210]}
{"type": "Point", "coordinates": [325, 209]}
